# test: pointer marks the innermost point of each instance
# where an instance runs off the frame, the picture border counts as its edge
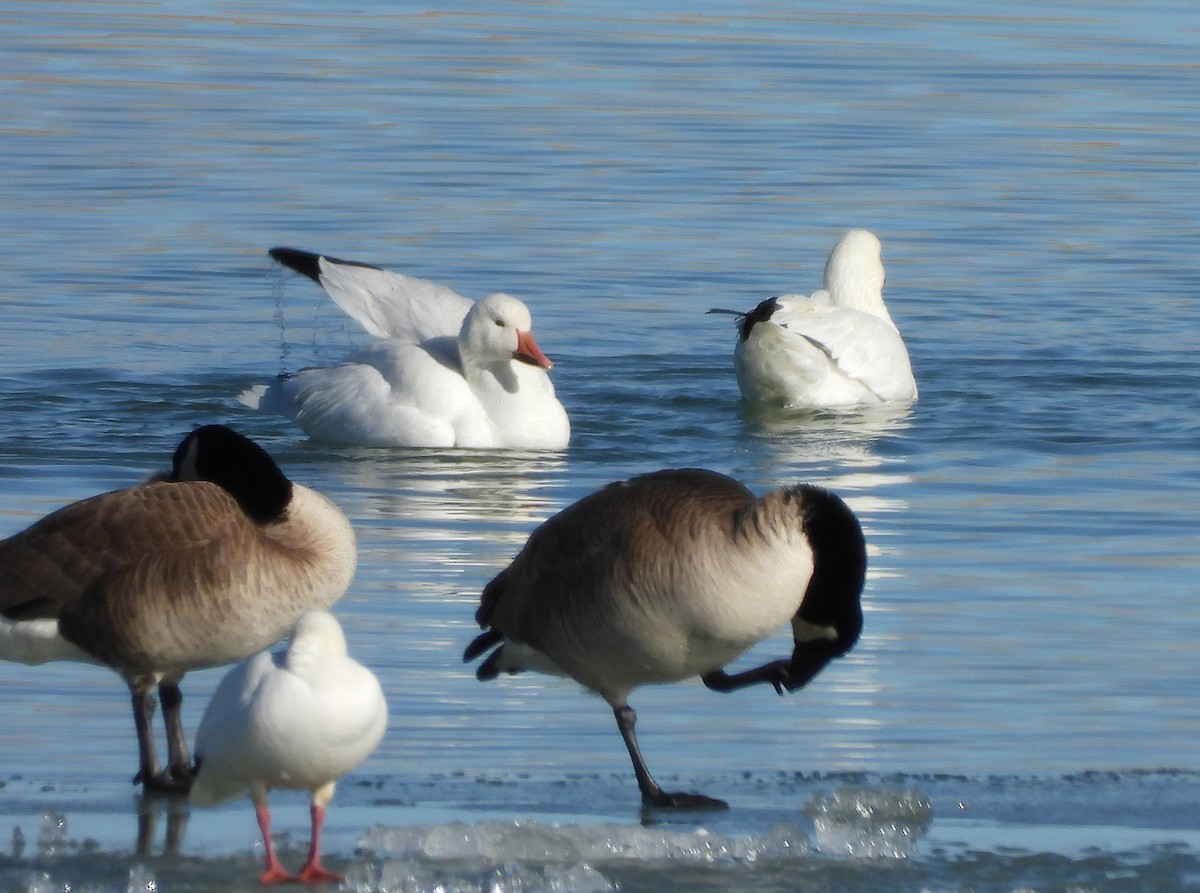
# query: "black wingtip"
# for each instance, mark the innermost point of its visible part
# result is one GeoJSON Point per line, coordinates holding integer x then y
{"type": "Point", "coordinates": [301, 261]}
{"type": "Point", "coordinates": [309, 264]}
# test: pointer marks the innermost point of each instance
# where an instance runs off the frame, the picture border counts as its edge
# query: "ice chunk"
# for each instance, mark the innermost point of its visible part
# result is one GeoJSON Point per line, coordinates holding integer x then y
{"type": "Point", "coordinates": [501, 842]}
{"type": "Point", "coordinates": [52, 836]}
{"type": "Point", "coordinates": [42, 882]}
{"type": "Point", "coordinates": [517, 878]}
{"type": "Point", "coordinates": [540, 857]}
{"type": "Point", "coordinates": [141, 880]}
{"type": "Point", "coordinates": [869, 823]}
{"type": "Point", "coordinates": [403, 876]}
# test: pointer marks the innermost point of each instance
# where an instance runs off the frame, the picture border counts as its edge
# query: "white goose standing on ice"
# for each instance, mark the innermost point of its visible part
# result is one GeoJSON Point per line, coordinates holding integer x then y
{"type": "Point", "coordinates": [837, 348]}
{"type": "Point", "coordinates": [672, 575]}
{"type": "Point", "coordinates": [300, 719]}
{"type": "Point", "coordinates": [443, 371]}
{"type": "Point", "coordinates": [200, 567]}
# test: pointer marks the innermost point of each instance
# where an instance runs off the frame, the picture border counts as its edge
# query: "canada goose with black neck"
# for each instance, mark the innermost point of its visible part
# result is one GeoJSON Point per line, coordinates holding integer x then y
{"type": "Point", "coordinates": [672, 575]}
{"type": "Point", "coordinates": [202, 566]}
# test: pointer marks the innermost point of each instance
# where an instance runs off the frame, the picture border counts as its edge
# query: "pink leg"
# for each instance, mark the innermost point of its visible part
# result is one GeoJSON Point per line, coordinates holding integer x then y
{"type": "Point", "coordinates": [313, 871]}
{"type": "Point", "coordinates": [274, 873]}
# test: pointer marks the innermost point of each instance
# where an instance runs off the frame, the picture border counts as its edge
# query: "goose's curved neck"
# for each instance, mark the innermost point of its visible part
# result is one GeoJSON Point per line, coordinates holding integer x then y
{"type": "Point", "coordinates": [832, 600]}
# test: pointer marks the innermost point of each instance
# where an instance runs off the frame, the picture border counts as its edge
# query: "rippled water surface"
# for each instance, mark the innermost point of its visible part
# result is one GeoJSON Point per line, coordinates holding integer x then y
{"type": "Point", "coordinates": [1022, 710]}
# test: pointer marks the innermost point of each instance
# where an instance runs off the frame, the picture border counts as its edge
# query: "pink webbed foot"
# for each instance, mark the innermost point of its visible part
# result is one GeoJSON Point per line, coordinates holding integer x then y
{"type": "Point", "coordinates": [275, 874]}
{"type": "Point", "coordinates": [316, 873]}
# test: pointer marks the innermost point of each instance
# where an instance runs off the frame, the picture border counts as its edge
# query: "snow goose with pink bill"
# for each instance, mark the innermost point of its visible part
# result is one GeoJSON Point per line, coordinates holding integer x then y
{"type": "Point", "coordinates": [442, 371]}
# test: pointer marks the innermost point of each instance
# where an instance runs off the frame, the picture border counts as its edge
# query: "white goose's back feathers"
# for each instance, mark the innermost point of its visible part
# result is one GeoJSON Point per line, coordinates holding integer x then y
{"type": "Point", "coordinates": [837, 347]}
{"type": "Point", "coordinates": [299, 718]}
{"type": "Point", "coordinates": [810, 353]}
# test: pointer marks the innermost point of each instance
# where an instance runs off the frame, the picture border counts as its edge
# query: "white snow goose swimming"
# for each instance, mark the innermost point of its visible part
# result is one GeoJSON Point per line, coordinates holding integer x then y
{"type": "Point", "coordinates": [443, 371]}
{"type": "Point", "coordinates": [672, 575]}
{"type": "Point", "coordinates": [300, 719]}
{"type": "Point", "coordinates": [837, 348]}
{"type": "Point", "coordinates": [202, 566]}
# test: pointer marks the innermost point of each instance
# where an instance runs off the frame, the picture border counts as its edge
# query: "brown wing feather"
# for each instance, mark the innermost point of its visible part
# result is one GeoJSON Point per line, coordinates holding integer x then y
{"type": "Point", "coordinates": [48, 567]}
{"type": "Point", "coordinates": [126, 565]}
{"type": "Point", "coordinates": [589, 549]}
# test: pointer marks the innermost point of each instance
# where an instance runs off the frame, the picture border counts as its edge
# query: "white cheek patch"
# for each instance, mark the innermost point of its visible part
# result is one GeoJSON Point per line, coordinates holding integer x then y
{"type": "Point", "coordinates": [803, 631]}
{"type": "Point", "coordinates": [187, 468]}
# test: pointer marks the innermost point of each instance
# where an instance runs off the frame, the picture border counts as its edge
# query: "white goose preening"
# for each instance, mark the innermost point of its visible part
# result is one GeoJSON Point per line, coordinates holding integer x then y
{"type": "Point", "coordinates": [200, 567]}
{"type": "Point", "coordinates": [672, 575]}
{"type": "Point", "coordinates": [443, 371]}
{"type": "Point", "coordinates": [301, 719]}
{"type": "Point", "coordinates": [837, 348]}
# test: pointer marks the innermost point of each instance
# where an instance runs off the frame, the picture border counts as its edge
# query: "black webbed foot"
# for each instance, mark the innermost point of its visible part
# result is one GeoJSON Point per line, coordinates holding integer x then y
{"type": "Point", "coordinates": [165, 782]}
{"type": "Point", "coordinates": [783, 675]}
{"type": "Point", "coordinates": [777, 673]}
{"type": "Point", "coordinates": [681, 800]}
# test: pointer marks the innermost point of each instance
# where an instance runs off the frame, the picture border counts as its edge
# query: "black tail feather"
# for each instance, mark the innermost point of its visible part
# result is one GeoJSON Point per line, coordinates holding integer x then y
{"type": "Point", "coordinates": [487, 639]}
{"type": "Point", "coordinates": [482, 643]}
{"type": "Point", "coordinates": [488, 669]}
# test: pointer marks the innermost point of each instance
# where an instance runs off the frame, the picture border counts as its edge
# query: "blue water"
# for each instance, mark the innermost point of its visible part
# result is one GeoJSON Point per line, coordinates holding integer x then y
{"type": "Point", "coordinates": [1026, 681]}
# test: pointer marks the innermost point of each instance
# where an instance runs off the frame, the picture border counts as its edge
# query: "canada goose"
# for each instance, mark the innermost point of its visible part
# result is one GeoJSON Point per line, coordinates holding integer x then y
{"type": "Point", "coordinates": [442, 371]}
{"type": "Point", "coordinates": [300, 718]}
{"type": "Point", "coordinates": [838, 347]}
{"type": "Point", "coordinates": [200, 567]}
{"type": "Point", "coordinates": [671, 575]}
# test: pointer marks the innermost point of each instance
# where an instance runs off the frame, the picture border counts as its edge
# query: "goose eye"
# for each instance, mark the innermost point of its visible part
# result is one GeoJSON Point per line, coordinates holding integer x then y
{"type": "Point", "coordinates": [498, 321]}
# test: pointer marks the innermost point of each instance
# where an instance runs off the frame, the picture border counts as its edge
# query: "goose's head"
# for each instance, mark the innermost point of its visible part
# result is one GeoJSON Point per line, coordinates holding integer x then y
{"type": "Point", "coordinates": [829, 619]}
{"type": "Point", "coordinates": [239, 466]}
{"type": "Point", "coordinates": [500, 328]}
{"type": "Point", "coordinates": [854, 273]}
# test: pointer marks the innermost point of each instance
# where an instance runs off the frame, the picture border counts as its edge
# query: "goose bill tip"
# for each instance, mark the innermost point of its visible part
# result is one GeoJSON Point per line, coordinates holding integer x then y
{"type": "Point", "coordinates": [528, 352]}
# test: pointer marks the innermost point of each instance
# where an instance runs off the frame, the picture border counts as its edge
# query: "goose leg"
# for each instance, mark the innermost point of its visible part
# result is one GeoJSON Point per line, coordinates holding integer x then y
{"type": "Point", "coordinates": [179, 760]}
{"type": "Point", "coordinates": [313, 871]}
{"type": "Point", "coordinates": [149, 776]}
{"type": "Point", "coordinates": [652, 794]}
{"type": "Point", "coordinates": [274, 873]}
{"type": "Point", "coordinates": [141, 691]}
